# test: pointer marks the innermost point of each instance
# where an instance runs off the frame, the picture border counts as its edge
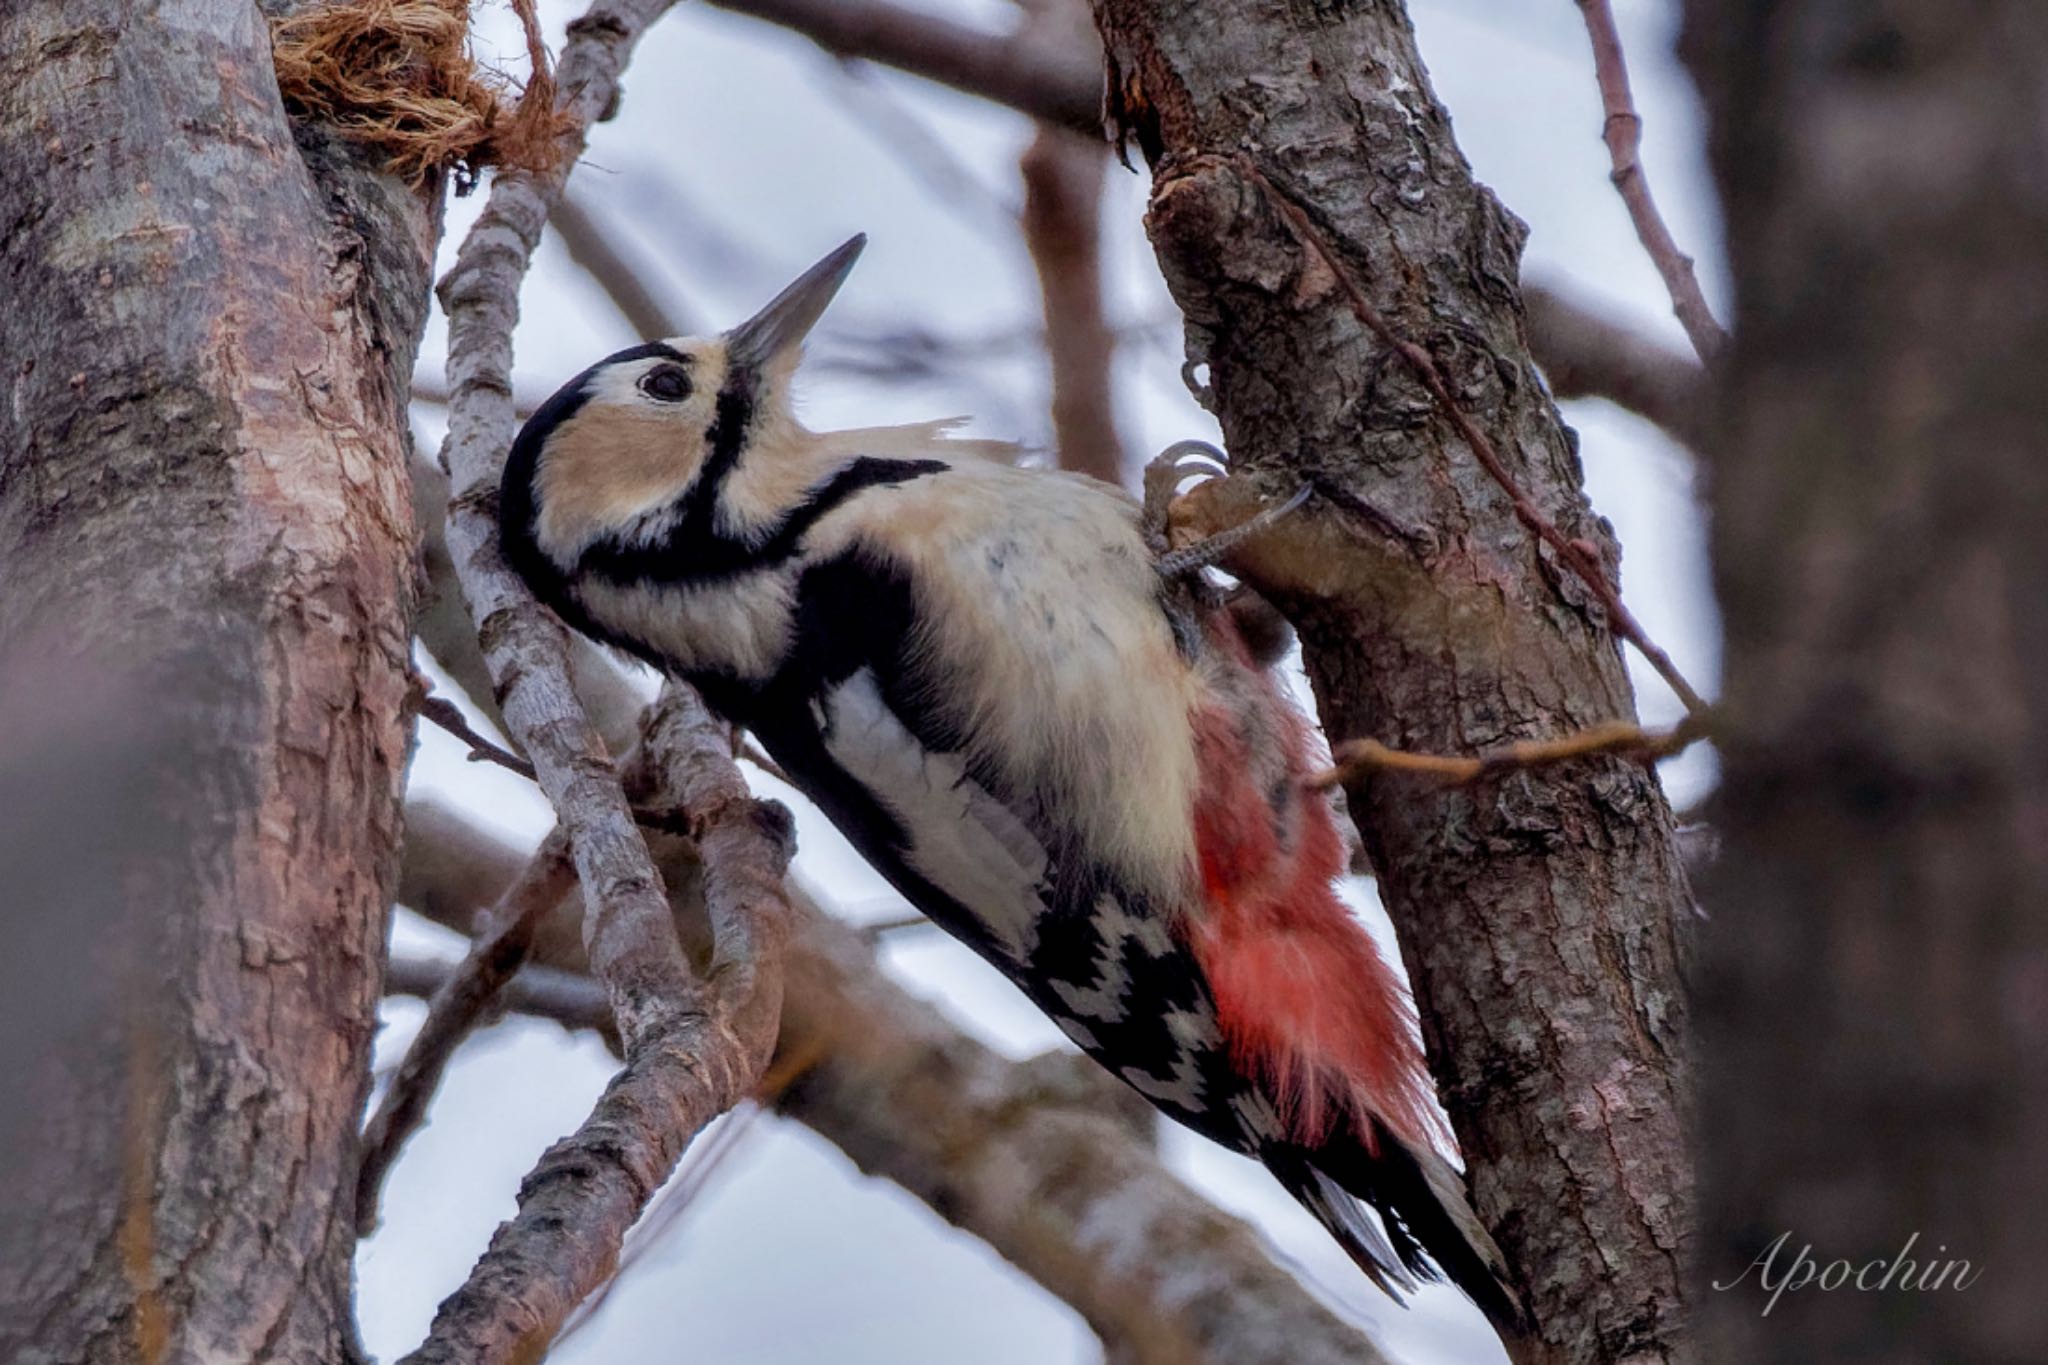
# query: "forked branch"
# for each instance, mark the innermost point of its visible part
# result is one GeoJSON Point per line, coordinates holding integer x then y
{"type": "Point", "coordinates": [693, 1047]}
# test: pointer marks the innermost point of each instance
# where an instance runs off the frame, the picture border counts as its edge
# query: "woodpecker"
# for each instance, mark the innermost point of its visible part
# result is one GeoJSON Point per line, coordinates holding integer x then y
{"type": "Point", "coordinates": [1003, 694]}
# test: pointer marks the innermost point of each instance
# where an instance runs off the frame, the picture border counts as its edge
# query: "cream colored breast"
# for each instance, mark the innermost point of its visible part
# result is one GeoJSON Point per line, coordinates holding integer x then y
{"type": "Point", "coordinates": [739, 626]}
{"type": "Point", "coordinates": [1039, 612]}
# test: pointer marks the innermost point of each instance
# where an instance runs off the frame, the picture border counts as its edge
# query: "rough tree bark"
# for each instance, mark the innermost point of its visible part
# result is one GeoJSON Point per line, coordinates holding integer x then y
{"type": "Point", "coordinates": [1876, 986]}
{"type": "Point", "coordinates": [205, 532]}
{"type": "Point", "coordinates": [1540, 914]}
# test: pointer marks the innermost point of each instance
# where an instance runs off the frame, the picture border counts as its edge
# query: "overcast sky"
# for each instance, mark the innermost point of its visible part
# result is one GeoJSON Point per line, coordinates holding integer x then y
{"type": "Point", "coordinates": [742, 154]}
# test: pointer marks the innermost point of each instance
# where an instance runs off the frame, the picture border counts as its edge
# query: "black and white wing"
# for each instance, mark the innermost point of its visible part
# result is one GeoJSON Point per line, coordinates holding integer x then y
{"type": "Point", "coordinates": [989, 866]}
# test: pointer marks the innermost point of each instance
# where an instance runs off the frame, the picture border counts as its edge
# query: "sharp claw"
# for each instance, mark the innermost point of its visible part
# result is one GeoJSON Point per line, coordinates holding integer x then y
{"type": "Point", "coordinates": [1200, 454]}
{"type": "Point", "coordinates": [1164, 475]}
{"type": "Point", "coordinates": [1204, 553]}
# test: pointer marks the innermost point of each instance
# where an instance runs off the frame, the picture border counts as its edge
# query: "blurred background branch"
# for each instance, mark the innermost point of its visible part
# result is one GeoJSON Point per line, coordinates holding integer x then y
{"type": "Point", "coordinates": [1055, 82]}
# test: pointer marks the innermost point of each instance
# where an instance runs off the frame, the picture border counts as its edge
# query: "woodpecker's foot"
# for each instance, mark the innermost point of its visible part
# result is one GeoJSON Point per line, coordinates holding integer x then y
{"type": "Point", "coordinates": [1192, 559]}
{"type": "Point", "coordinates": [1163, 477]}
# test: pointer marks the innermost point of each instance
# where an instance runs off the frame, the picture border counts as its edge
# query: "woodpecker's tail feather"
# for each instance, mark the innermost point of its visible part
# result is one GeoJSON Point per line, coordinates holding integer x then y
{"type": "Point", "coordinates": [1430, 1232]}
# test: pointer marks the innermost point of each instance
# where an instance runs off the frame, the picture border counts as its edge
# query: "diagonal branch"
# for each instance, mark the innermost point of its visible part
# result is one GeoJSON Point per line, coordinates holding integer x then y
{"type": "Point", "coordinates": [1623, 133]}
{"type": "Point", "coordinates": [603, 257]}
{"type": "Point", "coordinates": [1585, 355]}
{"type": "Point", "coordinates": [448, 717]}
{"type": "Point", "coordinates": [462, 999]}
{"type": "Point", "coordinates": [1625, 739]}
{"type": "Point", "coordinates": [693, 1047]}
{"type": "Point", "coordinates": [1031, 1157]}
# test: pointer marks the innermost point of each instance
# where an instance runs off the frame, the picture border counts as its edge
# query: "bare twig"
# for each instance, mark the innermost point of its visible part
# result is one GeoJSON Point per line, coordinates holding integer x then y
{"type": "Point", "coordinates": [1625, 739]}
{"type": "Point", "coordinates": [482, 749]}
{"type": "Point", "coordinates": [463, 998]}
{"type": "Point", "coordinates": [569, 998]}
{"type": "Point", "coordinates": [593, 246]}
{"type": "Point", "coordinates": [1575, 555]}
{"type": "Point", "coordinates": [751, 752]}
{"type": "Point", "coordinates": [693, 1048]}
{"type": "Point", "coordinates": [1584, 355]}
{"type": "Point", "coordinates": [1059, 83]}
{"type": "Point", "coordinates": [877, 930]}
{"type": "Point", "coordinates": [1623, 133]}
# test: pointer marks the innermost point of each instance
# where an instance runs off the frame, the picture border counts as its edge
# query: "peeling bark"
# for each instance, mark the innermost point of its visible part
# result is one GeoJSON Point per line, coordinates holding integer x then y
{"type": "Point", "coordinates": [205, 532]}
{"type": "Point", "coordinates": [1540, 913]}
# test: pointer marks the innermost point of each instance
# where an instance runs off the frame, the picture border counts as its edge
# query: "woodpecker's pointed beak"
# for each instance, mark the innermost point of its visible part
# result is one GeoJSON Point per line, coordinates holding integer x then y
{"type": "Point", "coordinates": [785, 322]}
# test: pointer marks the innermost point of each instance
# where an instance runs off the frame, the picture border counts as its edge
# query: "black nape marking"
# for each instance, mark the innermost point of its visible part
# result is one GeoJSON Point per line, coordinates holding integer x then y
{"type": "Point", "coordinates": [696, 551]}
{"type": "Point", "coordinates": [852, 611]}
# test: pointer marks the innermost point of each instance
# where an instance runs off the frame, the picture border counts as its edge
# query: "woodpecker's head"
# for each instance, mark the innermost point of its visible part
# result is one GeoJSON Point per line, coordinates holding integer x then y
{"type": "Point", "coordinates": [614, 456]}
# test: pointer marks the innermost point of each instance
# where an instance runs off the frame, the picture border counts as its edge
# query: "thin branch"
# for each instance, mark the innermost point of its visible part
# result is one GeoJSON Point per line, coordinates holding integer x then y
{"type": "Point", "coordinates": [1058, 83]}
{"type": "Point", "coordinates": [569, 998]}
{"type": "Point", "coordinates": [1621, 738]}
{"type": "Point", "coordinates": [877, 930]}
{"type": "Point", "coordinates": [1575, 555]}
{"type": "Point", "coordinates": [693, 1048]}
{"type": "Point", "coordinates": [1585, 355]}
{"type": "Point", "coordinates": [462, 999]}
{"type": "Point", "coordinates": [482, 749]}
{"type": "Point", "coordinates": [751, 752]}
{"type": "Point", "coordinates": [603, 257]}
{"type": "Point", "coordinates": [1623, 133]}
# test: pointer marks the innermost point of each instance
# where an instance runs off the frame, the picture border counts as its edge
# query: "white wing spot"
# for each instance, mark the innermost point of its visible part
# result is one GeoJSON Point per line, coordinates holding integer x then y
{"type": "Point", "coordinates": [1257, 1114]}
{"type": "Point", "coordinates": [1114, 926]}
{"type": "Point", "coordinates": [961, 839]}
{"type": "Point", "coordinates": [1183, 1089]}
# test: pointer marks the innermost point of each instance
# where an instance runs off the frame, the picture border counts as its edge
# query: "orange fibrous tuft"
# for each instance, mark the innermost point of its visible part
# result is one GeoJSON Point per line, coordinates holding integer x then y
{"type": "Point", "coordinates": [398, 76]}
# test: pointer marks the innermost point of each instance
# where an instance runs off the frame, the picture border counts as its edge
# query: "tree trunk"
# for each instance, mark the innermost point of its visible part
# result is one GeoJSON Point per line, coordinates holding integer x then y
{"type": "Point", "coordinates": [1540, 913]}
{"type": "Point", "coordinates": [1877, 982]}
{"type": "Point", "coordinates": [204, 528]}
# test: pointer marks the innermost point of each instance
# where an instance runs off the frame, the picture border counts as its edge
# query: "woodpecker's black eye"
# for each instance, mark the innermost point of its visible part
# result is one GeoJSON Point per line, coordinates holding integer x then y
{"type": "Point", "coordinates": [669, 383]}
